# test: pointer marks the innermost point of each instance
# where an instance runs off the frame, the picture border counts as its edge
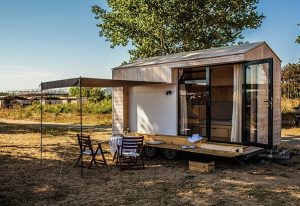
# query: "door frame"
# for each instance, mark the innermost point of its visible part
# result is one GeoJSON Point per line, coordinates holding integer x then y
{"type": "Point", "coordinates": [208, 100]}
{"type": "Point", "coordinates": [245, 137]}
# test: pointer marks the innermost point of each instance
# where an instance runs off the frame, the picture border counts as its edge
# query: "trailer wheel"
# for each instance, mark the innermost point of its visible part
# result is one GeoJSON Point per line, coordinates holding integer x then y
{"type": "Point", "coordinates": [150, 151]}
{"type": "Point", "coordinates": [170, 154]}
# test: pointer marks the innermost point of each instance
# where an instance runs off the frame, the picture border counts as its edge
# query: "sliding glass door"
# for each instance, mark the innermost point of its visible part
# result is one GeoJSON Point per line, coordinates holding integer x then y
{"type": "Point", "coordinates": [194, 107]}
{"type": "Point", "coordinates": [258, 100]}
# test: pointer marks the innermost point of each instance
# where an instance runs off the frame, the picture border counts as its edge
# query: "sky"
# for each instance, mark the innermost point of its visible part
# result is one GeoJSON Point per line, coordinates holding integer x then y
{"type": "Point", "coordinates": [58, 39]}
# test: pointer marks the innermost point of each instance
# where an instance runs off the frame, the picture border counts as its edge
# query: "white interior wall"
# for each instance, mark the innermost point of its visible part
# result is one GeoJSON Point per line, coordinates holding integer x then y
{"type": "Point", "coordinates": [151, 111]}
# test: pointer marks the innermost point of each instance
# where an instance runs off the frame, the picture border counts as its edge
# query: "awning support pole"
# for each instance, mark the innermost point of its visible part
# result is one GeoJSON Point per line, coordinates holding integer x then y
{"type": "Point", "coordinates": [80, 96]}
{"type": "Point", "coordinates": [41, 107]}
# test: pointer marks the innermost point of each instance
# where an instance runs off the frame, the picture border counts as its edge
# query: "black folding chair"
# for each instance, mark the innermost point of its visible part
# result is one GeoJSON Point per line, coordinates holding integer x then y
{"type": "Point", "coordinates": [86, 148]}
{"type": "Point", "coordinates": [130, 153]}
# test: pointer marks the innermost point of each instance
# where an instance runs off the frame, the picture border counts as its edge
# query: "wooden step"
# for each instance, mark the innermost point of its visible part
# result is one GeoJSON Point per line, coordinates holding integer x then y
{"type": "Point", "coordinates": [223, 147]}
{"type": "Point", "coordinates": [201, 166]}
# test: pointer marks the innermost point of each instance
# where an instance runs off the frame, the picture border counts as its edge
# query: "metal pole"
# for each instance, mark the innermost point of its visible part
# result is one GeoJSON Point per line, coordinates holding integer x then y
{"type": "Point", "coordinates": [80, 95]}
{"type": "Point", "coordinates": [41, 105]}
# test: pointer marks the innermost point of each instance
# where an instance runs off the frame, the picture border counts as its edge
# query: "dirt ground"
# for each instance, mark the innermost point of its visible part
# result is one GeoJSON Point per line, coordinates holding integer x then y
{"type": "Point", "coordinates": [25, 181]}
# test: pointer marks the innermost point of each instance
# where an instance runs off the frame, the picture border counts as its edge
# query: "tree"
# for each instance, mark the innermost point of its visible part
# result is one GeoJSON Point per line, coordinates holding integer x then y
{"type": "Point", "coordinates": [3, 93]}
{"type": "Point", "coordinates": [74, 91]}
{"type": "Point", "coordinates": [161, 27]}
{"type": "Point", "coordinates": [96, 95]}
{"type": "Point", "coordinates": [290, 81]}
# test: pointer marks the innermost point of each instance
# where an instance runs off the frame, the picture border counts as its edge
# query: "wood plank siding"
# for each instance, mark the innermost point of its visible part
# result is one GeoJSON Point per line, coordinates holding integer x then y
{"type": "Point", "coordinates": [163, 72]}
{"type": "Point", "coordinates": [119, 110]}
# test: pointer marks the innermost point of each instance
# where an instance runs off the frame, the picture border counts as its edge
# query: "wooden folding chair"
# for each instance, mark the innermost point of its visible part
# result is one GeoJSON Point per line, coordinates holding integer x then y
{"type": "Point", "coordinates": [130, 152]}
{"type": "Point", "coordinates": [86, 148]}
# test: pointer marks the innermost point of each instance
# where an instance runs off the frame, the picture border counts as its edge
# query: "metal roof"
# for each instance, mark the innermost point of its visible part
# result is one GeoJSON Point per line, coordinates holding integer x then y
{"type": "Point", "coordinates": [193, 55]}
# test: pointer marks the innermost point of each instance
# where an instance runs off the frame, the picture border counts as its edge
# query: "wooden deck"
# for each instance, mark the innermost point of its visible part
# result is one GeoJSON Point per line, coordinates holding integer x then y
{"type": "Point", "coordinates": [196, 150]}
{"type": "Point", "coordinates": [202, 147]}
{"type": "Point", "coordinates": [220, 153]}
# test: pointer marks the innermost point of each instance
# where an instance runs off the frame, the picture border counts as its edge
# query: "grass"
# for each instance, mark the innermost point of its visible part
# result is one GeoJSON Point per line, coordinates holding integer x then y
{"type": "Point", "coordinates": [93, 113]}
{"type": "Point", "coordinates": [24, 181]}
{"type": "Point", "coordinates": [70, 118]}
{"type": "Point", "coordinates": [294, 131]}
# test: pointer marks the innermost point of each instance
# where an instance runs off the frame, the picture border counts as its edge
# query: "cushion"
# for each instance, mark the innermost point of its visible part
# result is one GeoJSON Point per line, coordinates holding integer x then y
{"type": "Point", "coordinates": [87, 152]}
{"type": "Point", "coordinates": [130, 154]}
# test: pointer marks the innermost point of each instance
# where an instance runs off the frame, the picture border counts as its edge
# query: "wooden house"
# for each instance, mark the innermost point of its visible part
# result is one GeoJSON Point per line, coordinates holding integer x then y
{"type": "Point", "coordinates": [227, 95]}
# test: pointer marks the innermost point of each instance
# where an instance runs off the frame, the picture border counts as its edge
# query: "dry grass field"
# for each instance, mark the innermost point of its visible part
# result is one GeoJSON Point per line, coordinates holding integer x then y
{"type": "Point", "coordinates": [25, 181]}
{"type": "Point", "coordinates": [294, 131]}
{"type": "Point", "coordinates": [70, 118]}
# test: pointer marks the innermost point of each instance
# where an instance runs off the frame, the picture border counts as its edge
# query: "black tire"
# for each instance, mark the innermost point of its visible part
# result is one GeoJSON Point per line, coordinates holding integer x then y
{"type": "Point", "coordinates": [169, 154]}
{"type": "Point", "coordinates": [150, 152]}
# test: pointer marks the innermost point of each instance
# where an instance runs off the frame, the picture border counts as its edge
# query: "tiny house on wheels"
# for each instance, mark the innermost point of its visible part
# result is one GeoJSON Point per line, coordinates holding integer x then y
{"type": "Point", "coordinates": [230, 96]}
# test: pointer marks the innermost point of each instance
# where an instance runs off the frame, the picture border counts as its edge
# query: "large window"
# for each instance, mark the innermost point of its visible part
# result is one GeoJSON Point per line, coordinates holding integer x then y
{"type": "Point", "coordinates": [193, 97]}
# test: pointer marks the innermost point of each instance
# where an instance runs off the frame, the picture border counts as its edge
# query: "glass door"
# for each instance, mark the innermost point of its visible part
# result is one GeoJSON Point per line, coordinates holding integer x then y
{"type": "Point", "coordinates": [258, 100]}
{"type": "Point", "coordinates": [194, 102]}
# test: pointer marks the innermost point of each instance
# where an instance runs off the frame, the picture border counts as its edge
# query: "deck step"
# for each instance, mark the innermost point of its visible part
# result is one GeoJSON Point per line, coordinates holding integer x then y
{"type": "Point", "coordinates": [223, 147]}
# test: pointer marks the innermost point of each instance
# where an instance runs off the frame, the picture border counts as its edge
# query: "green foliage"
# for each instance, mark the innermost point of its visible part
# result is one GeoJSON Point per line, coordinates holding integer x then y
{"type": "Point", "coordinates": [28, 113]}
{"type": "Point", "coordinates": [93, 94]}
{"type": "Point", "coordinates": [96, 95]}
{"type": "Point", "coordinates": [161, 27]}
{"type": "Point", "coordinates": [75, 91]}
{"type": "Point", "coordinates": [3, 93]}
{"type": "Point", "coordinates": [102, 107]}
{"type": "Point", "coordinates": [288, 110]}
{"type": "Point", "coordinates": [290, 81]}
{"type": "Point", "coordinates": [53, 108]}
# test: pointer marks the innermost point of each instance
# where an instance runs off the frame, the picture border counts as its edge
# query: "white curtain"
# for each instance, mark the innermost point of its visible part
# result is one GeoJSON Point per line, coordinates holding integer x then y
{"type": "Point", "coordinates": [236, 129]}
{"type": "Point", "coordinates": [183, 110]}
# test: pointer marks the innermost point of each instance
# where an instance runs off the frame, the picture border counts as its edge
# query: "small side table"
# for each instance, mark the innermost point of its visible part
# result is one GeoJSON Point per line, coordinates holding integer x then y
{"type": "Point", "coordinates": [100, 151]}
{"type": "Point", "coordinates": [113, 143]}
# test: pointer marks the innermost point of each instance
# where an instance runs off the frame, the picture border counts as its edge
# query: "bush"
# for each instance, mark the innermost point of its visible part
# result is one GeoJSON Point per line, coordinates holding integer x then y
{"type": "Point", "coordinates": [288, 111]}
{"type": "Point", "coordinates": [28, 113]}
{"type": "Point", "coordinates": [102, 107]}
{"type": "Point", "coordinates": [288, 105]}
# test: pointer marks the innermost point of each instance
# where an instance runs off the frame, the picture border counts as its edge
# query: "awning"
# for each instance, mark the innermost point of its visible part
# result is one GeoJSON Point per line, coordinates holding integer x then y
{"type": "Point", "coordinates": [93, 82]}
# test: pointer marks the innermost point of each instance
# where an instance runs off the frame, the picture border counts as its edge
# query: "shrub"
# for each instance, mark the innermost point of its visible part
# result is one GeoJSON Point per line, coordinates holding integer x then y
{"type": "Point", "coordinates": [102, 107]}
{"type": "Point", "coordinates": [288, 105]}
{"type": "Point", "coordinates": [288, 111]}
{"type": "Point", "coordinates": [28, 113]}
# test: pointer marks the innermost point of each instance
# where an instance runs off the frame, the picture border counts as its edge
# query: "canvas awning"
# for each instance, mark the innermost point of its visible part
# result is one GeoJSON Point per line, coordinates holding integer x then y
{"type": "Point", "coordinates": [92, 82]}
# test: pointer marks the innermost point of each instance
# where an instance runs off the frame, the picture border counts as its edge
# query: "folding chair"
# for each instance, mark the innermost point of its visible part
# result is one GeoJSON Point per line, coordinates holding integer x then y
{"type": "Point", "coordinates": [86, 148]}
{"type": "Point", "coordinates": [130, 152]}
